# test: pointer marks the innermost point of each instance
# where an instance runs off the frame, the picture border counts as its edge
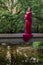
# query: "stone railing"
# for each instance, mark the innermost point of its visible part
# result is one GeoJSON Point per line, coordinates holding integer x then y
{"type": "Point", "coordinates": [18, 38]}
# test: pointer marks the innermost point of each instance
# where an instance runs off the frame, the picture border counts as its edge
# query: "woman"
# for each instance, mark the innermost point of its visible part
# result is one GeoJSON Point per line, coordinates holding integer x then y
{"type": "Point", "coordinates": [28, 25]}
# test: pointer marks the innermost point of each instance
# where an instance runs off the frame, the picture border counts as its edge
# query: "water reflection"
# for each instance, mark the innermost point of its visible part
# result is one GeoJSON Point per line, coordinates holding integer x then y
{"type": "Point", "coordinates": [20, 55]}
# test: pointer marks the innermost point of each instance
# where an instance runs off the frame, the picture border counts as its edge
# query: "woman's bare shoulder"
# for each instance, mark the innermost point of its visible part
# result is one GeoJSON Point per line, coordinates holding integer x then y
{"type": "Point", "coordinates": [28, 13]}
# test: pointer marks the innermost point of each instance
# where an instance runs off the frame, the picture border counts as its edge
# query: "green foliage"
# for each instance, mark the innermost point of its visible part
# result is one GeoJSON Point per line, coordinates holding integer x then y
{"type": "Point", "coordinates": [5, 22]}
{"type": "Point", "coordinates": [3, 61]}
{"type": "Point", "coordinates": [38, 45]}
{"type": "Point", "coordinates": [20, 55]}
{"type": "Point", "coordinates": [13, 22]}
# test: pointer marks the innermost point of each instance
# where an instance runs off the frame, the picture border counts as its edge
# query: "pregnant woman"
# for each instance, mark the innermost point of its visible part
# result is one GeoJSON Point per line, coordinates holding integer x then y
{"type": "Point", "coordinates": [28, 25]}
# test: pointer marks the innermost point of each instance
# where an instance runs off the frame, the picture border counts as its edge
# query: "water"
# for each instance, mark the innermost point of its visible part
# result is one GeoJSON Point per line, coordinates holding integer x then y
{"type": "Point", "coordinates": [20, 55]}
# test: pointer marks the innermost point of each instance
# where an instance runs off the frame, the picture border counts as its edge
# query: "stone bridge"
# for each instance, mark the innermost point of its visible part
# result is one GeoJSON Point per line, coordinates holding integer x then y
{"type": "Point", "coordinates": [18, 38]}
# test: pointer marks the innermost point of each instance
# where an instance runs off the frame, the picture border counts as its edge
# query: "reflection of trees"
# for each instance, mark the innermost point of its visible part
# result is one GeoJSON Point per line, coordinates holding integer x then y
{"type": "Point", "coordinates": [19, 55]}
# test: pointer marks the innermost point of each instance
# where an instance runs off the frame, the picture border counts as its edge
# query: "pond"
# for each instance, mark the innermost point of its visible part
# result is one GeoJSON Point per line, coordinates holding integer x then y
{"type": "Point", "coordinates": [29, 54]}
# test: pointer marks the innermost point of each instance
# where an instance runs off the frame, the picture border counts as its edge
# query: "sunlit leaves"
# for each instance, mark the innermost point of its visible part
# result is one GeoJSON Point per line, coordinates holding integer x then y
{"type": "Point", "coordinates": [14, 11]}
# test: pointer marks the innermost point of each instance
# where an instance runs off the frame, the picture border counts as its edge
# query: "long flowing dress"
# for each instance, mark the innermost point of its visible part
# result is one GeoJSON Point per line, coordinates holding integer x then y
{"type": "Point", "coordinates": [28, 26]}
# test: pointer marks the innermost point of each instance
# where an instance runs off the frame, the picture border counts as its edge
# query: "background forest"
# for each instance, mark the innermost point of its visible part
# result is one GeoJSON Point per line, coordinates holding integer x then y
{"type": "Point", "coordinates": [12, 15]}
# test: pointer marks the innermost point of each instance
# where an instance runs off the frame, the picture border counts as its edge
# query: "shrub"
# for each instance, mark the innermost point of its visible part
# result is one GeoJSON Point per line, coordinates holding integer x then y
{"type": "Point", "coordinates": [37, 45]}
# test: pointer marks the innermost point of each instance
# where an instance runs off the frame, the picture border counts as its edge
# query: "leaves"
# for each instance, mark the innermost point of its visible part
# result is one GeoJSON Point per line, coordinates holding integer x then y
{"type": "Point", "coordinates": [38, 45]}
{"type": "Point", "coordinates": [12, 15]}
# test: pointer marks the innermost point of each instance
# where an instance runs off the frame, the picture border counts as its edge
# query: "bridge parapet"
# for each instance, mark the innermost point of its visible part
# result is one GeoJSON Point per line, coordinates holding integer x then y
{"type": "Point", "coordinates": [18, 38]}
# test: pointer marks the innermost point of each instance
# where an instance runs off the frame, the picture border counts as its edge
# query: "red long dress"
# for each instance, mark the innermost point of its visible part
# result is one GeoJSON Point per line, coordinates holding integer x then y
{"type": "Point", "coordinates": [28, 26]}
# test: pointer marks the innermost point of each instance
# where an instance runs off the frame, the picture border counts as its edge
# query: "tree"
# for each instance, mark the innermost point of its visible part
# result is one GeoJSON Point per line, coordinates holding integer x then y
{"type": "Point", "coordinates": [17, 9]}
